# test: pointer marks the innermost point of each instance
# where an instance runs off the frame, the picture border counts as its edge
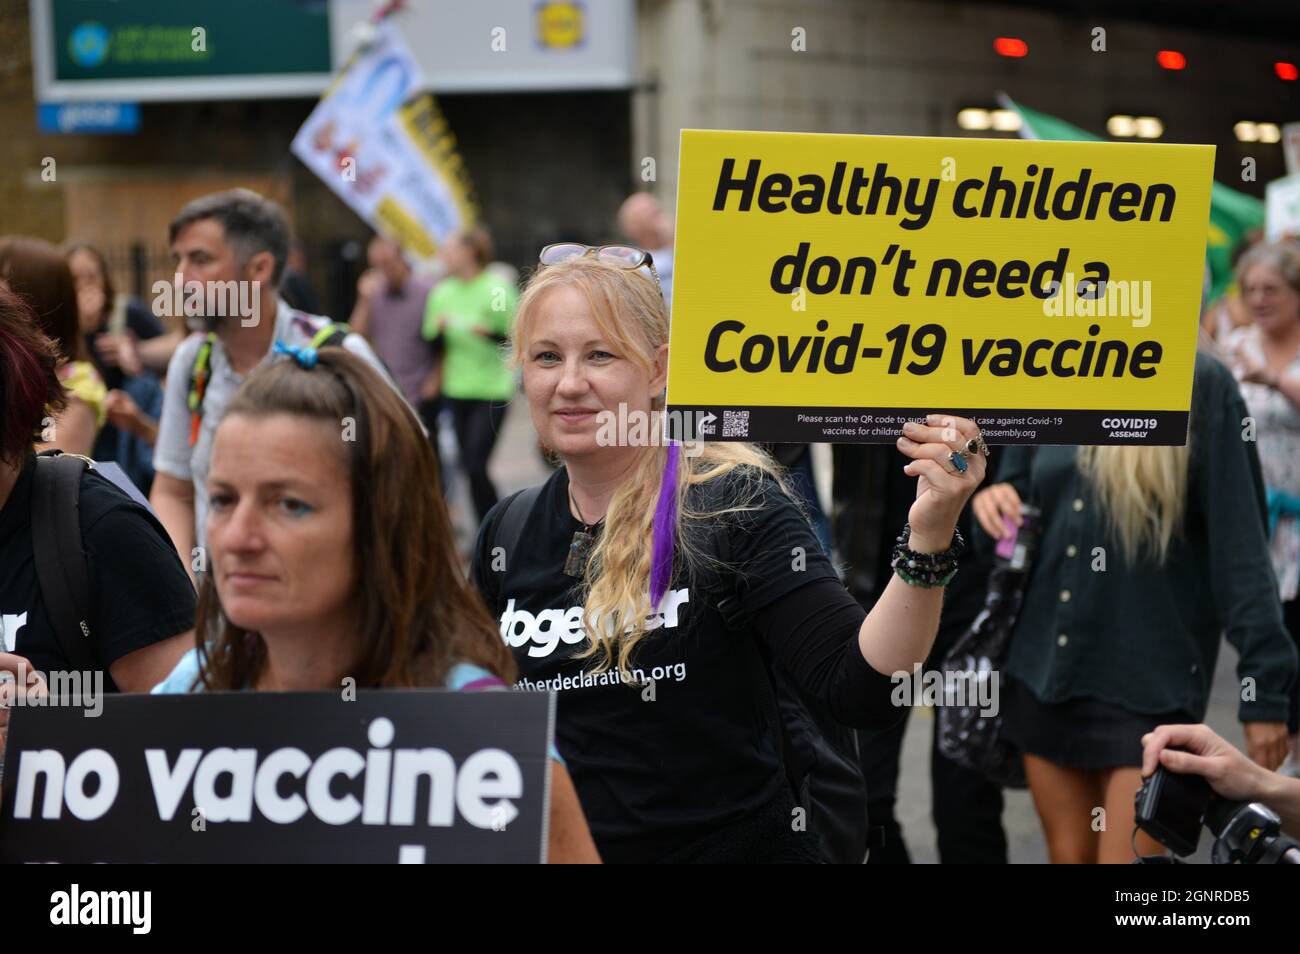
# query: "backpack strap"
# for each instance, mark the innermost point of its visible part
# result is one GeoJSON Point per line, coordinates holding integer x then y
{"type": "Point", "coordinates": [721, 588]}
{"type": "Point", "coordinates": [510, 528]}
{"type": "Point", "coordinates": [200, 373]}
{"type": "Point", "coordinates": [61, 570]}
{"type": "Point", "coordinates": [726, 599]}
{"type": "Point", "coordinates": [330, 336]}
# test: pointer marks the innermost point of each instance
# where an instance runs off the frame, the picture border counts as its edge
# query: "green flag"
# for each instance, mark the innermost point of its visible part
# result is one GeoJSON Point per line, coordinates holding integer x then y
{"type": "Point", "coordinates": [1232, 213]}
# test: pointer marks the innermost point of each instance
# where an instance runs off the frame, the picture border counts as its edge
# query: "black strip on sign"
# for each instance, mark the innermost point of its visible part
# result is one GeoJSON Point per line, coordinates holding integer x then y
{"type": "Point", "coordinates": [854, 425]}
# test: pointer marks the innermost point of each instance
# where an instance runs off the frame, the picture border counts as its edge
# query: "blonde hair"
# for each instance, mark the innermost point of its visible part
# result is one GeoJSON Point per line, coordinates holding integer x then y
{"type": "Point", "coordinates": [631, 314]}
{"type": "Point", "coordinates": [1143, 492]}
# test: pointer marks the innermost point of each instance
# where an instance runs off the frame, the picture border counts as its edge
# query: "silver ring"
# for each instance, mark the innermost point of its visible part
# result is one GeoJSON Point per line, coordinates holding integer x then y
{"type": "Point", "coordinates": [976, 445]}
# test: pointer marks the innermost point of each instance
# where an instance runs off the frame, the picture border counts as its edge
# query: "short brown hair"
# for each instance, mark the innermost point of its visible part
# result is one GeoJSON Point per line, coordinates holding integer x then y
{"type": "Point", "coordinates": [39, 273]}
{"type": "Point", "coordinates": [29, 382]}
{"type": "Point", "coordinates": [419, 615]}
{"type": "Point", "coordinates": [250, 223]}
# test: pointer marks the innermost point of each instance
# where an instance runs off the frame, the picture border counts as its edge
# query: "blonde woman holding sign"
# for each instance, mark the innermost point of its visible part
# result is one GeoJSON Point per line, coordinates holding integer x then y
{"type": "Point", "coordinates": [332, 558]}
{"type": "Point", "coordinates": [657, 589]}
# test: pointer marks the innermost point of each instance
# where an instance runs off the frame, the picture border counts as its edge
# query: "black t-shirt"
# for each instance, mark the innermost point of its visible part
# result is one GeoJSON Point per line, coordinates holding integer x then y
{"type": "Point", "coordinates": [140, 592]}
{"type": "Point", "coordinates": [655, 770]}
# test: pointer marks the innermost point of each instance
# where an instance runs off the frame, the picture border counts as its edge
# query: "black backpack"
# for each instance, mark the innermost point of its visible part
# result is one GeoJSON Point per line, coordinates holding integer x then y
{"type": "Point", "coordinates": [819, 754]}
{"type": "Point", "coordinates": [61, 570]}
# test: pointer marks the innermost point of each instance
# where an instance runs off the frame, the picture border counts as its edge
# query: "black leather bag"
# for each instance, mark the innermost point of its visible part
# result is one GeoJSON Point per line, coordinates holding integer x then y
{"type": "Point", "coordinates": [966, 735]}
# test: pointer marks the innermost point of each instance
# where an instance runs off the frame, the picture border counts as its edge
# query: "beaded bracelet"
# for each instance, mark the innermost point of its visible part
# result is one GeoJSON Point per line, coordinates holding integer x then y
{"type": "Point", "coordinates": [926, 570]}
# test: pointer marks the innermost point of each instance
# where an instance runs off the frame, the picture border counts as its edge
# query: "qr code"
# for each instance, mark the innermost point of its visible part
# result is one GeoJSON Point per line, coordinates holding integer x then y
{"type": "Point", "coordinates": [735, 423]}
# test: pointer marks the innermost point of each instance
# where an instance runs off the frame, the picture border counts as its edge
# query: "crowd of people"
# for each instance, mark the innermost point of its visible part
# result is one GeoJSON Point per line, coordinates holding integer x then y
{"type": "Point", "coordinates": [722, 640]}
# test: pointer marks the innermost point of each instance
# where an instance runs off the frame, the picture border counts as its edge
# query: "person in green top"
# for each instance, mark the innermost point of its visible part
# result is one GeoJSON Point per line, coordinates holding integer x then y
{"type": "Point", "coordinates": [470, 313]}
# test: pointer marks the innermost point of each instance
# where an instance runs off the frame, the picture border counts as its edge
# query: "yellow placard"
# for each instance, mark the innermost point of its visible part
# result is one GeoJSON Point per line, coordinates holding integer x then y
{"type": "Point", "coordinates": [396, 222]}
{"type": "Point", "coordinates": [828, 287]}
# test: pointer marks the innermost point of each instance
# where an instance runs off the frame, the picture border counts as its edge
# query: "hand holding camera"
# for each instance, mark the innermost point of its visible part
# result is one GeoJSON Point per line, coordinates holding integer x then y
{"type": "Point", "coordinates": [1193, 778]}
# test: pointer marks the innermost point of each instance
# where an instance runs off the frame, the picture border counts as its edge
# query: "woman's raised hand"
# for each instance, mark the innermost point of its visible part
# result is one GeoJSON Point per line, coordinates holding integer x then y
{"type": "Point", "coordinates": [942, 486]}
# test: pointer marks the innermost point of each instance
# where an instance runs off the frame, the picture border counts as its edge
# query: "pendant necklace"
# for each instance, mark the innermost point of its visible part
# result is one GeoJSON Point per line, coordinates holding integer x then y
{"type": "Point", "coordinates": [580, 546]}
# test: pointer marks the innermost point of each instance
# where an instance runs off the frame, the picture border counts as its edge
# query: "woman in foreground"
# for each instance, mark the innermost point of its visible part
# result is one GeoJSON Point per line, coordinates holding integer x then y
{"type": "Point", "coordinates": [332, 556]}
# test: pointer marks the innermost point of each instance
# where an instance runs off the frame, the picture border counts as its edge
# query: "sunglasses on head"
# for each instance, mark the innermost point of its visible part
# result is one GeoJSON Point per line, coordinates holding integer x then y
{"type": "Point", "coordinates": [624, 256]}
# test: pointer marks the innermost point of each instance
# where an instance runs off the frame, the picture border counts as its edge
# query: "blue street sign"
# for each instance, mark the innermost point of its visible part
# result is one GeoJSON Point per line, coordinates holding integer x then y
{"type": "Point", "coordinates": [88, 117]}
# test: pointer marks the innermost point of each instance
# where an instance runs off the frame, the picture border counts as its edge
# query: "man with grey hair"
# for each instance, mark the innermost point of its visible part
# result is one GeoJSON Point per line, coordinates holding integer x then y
{"type": "Point", "coordinates": [230, 250]}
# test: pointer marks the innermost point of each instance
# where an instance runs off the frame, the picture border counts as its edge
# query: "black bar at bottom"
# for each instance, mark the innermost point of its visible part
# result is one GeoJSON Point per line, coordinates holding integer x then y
{"type": "Point", "coordinates": [854, 425]}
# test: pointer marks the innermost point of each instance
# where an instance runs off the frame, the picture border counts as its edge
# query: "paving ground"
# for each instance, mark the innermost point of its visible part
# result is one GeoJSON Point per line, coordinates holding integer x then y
{"type": "Point", "coordinates": [1024, 837]}
{"type": "Point", "coordinates": [516, 464]}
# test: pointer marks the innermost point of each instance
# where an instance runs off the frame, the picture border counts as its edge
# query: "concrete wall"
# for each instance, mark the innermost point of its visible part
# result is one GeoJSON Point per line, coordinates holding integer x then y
{"type": "Point", "coordinates": [545, 166]}
{"type": "Point", "coordinates": [549, 166]}
{"type": "Point", "coordinates": [906, 67]}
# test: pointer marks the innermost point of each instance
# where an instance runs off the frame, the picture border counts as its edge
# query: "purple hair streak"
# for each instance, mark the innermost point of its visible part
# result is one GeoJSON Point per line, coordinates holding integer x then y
{"type": "Point", "coordinates": [663, 528]}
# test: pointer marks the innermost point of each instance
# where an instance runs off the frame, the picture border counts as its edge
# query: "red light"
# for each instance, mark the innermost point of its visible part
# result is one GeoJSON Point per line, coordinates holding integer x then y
{"type": "Point", "coordinates": [1010, 46]}
{"type": "Point", "coordinates": [1286, 71]}
{"type": "Point", "coordinates": [1171, 60]}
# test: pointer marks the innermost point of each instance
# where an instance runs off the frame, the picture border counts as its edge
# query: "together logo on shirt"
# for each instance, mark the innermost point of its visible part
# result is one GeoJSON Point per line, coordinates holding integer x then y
{"type": "Point", "coordinates": [543, 632]}
{"type": "Point", "coordinates": [10, 623]}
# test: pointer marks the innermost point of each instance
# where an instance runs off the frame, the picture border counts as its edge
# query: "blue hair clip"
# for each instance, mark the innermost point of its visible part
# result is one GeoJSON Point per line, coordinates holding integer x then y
{"type": "Point", "coordinates": [306, 357]}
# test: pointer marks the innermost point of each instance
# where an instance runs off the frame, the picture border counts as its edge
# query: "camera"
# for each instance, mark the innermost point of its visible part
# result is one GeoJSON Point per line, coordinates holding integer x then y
{"type": "Point", "coordinates": [1173, 808]}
